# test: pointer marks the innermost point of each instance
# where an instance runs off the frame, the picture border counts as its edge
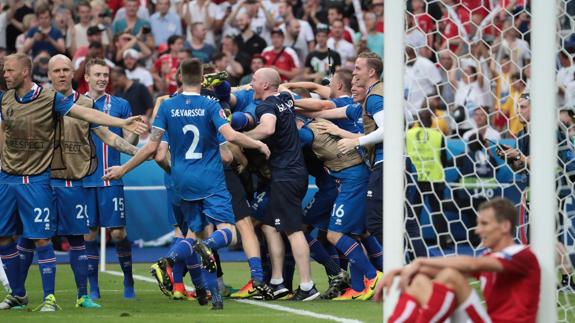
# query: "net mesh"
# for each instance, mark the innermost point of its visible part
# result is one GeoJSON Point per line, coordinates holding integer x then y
{"type": "Point", "coordinates": [467, 71]}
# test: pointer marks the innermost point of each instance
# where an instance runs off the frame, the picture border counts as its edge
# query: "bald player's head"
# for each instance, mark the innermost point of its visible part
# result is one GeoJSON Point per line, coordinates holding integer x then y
{"type": "Point", "coordinates": [265, 80]}
{"type": "Point", "coordinates": [61, 73]}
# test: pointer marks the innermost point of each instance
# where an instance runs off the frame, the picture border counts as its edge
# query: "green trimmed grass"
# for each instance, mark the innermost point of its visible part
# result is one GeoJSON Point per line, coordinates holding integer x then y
{"type": "Point", "coordinates": [152, 306]}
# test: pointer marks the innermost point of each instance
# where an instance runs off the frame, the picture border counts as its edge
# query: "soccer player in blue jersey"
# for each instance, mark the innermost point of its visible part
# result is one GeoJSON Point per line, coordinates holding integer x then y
{"type": "Point", "coordinates": [27, 134]}
{"type": "Point", "coordinates": [289, 178]}
{"type": "Point", "coordinates": [105, 197]}
{"type": "Point", "coordinates": [348, 216]}
{"type": "Point", "coordinates": [192, 123]}
{"type": "Point", "coordinates": [367, 73]}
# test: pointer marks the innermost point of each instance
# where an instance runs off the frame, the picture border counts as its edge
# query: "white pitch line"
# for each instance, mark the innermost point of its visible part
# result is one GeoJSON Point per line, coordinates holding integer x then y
{"type": "Point", "coordinates": [296, 311]}
{"type": "Point", "coordinates": [261, 304]}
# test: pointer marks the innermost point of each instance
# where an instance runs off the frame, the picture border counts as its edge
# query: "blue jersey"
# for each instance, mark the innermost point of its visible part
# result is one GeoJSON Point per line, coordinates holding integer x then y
{"type": "Point", "coordinates": [107, 156]}
{"type": "Point", "coordinates": [61, 107]}
{"type": "Point", "coordinates": [374, 105]}
{"type": "Point", "coordinates": [245, 102]}
{"type": "Point", "coordinates": [286, 155]}
{"type": "Point", "coordinates": [192, 123]}
{"type": "Point", "coordinates": [351, 125]}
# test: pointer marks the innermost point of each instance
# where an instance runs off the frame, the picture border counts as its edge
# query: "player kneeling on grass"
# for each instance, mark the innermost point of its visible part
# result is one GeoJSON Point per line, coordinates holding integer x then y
{"type": "Point", "coordinates": [435, 289]}
{"type": "Point", "coordinates": [192, 123]}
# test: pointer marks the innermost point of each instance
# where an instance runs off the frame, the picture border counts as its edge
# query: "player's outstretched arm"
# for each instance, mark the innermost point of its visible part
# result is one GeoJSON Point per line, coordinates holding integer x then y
{"type": "Point", "coordinates": [116, 172]}
{"type": "Point", "coordinates": [332, 129]}
{"type": "Point", "coordinates": [242, 140]}
{"type": "Point", "coordinates": [132, 124]}
{"type": "Point", "coordinates": [115, 141]}
{"type": "Point", "coordinates": [323, 91]}
{"type": "Point", "coordinates": [310, 104]}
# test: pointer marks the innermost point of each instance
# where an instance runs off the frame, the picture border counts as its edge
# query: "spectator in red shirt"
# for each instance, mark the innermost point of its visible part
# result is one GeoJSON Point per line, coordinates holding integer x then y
{"type": "Point", "coordinates": [377, 9]}
{"type": "Point", "coordinates": [334, 14]}
{"type": "Point", "coordinates": [283, 59]}
{"type": "Point", "coordinates": [165, 67]}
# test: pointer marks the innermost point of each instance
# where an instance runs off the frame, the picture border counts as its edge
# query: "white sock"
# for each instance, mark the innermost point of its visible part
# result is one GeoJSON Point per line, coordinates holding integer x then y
{"type": "Point", "coordinates": [276, 281]}
{"type": "Point", "coordinates": [306, 286]}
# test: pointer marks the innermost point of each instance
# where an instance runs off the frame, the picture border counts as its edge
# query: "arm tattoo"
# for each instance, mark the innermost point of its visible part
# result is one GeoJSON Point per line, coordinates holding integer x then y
{"type": "Point", "coordinates": [123, 146]}
{"type": "Point", "coordinates": [156, 134]}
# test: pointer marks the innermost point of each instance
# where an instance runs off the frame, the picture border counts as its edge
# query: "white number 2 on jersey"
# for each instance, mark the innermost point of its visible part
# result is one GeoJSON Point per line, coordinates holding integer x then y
{"type": "Point", "coordinates": [191, 154]}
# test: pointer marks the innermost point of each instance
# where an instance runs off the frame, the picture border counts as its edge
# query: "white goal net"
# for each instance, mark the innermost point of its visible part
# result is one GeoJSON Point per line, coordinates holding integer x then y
{"type": "Point", "coordinates": [468, 68]}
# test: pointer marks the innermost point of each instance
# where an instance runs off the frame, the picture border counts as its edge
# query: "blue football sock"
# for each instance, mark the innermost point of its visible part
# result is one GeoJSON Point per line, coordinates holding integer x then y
{"type": "Point", "coordinates": [194, 267]}
{"type": "Point", "coordinates": [92, 254]}
{"type": "Point", "coordinates": [319, 254]}
{"type": "Point", "coordinates": [256, 270]}
{"type": "Point", "coordinates": [174, 243]}
{"type": "Point", "coordinates": [266, 263]}
{"type": "Point", "coordinates": [343, 260]}
{"type": "Point", "coordinates": [47, 265]}
{"type": "Point", "coordinates": [26, 248]}
{"type": "Point", "coordinates": [182, 250]}
{"type": "Point", "coordinates": [11, 260]}
{"type": "Point", "coordinates": [124, 251]}
{"type": "Point", "coordinates": [211, 281]}
{"type": "Point", "coordinates": [79, 263]}
{"type": "Point", "coordinates": [374, 251]}
{"type": "Point", "coordinates": [332, 251]}
{"type": "Point", "coordinates": [354, 252]}
{"type": "Point", "coordinates": [356, 278]}
{"type": "Point", "coordinates": [178, 272]}
{"type": "Point", "coordinates": [219, 239]}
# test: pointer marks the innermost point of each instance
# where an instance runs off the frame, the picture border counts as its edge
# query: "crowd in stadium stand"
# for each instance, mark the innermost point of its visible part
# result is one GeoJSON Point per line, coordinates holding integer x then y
{"type": "Point", "coordinates": [461, 54]}
{"type": "Point", "coordinates": [145, 39]}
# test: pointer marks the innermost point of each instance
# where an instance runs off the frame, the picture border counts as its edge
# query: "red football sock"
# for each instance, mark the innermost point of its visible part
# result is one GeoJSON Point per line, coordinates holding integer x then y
{"type": "Point", "coordinates": [440, 306]}
{"type": "Point", "coordinates": [406, 310]}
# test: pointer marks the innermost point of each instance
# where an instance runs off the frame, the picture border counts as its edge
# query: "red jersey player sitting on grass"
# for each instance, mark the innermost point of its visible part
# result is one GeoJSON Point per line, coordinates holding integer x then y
{"type": "Point", "coordinates": [435, 289]}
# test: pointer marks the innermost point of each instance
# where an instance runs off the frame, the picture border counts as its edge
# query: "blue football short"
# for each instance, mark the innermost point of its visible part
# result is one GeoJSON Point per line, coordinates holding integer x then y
{"type": "Point", "coordinates": [106, 206]}
{"type": "Point", "coordinates": [259, 204]}
{"type": "Point", "coordinates": [72, 210]}
{"type": "Point", "coordinates": [215, 209]}
{"type": "Point", "coordinates": [349, 210]}
{"type": "Point", "coordinates": [27, 209]}
{"type": "Point", "coordinates": [318, 210]}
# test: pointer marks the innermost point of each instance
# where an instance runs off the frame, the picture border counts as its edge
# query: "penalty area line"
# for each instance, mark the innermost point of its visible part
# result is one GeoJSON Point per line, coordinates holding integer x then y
{"type": "Point", "coordinates": [255, 303]}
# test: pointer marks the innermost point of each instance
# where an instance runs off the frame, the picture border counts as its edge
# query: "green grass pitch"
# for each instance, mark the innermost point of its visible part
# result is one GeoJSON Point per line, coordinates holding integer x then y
{"type": "Point", "coordinates": [152, 306]}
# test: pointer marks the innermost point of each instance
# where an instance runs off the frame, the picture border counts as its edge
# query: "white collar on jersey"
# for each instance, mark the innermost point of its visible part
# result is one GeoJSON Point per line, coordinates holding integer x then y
{"type": "Point", "coordinates": [190, 93]}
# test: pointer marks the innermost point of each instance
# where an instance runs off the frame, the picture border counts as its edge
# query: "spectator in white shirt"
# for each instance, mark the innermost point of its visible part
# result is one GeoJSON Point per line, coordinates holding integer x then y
{"type": "Point", "coordinates": [468, 96]}
{"type": "Point", "coordinates": [564, 76]}
{"type": "Point", "coordinates": [305, 40]}
{"type": "Point", "coordinates": [204, 11]}
{"type": "Point", "coordinates": [134, 71]}
{"type": "Point", "coordinates": [345, 49]}
{"type": "Point", "coordinates": [422, 79]}
{"type": "Point", "coordinates": [77, 36]}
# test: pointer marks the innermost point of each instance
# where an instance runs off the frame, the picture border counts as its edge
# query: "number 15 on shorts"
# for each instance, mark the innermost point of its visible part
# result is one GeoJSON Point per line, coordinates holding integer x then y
{"type": "Point", "coordinates": [119, 205]}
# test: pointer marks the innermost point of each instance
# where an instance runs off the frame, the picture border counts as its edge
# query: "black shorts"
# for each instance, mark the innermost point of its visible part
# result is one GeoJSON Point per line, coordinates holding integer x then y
{"type": "Point", "coordinates": [240, 204]}
{"type": "Point", "coordinates": [374, 202]}
{"type": "Point", "coordinates": [284, 210]}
